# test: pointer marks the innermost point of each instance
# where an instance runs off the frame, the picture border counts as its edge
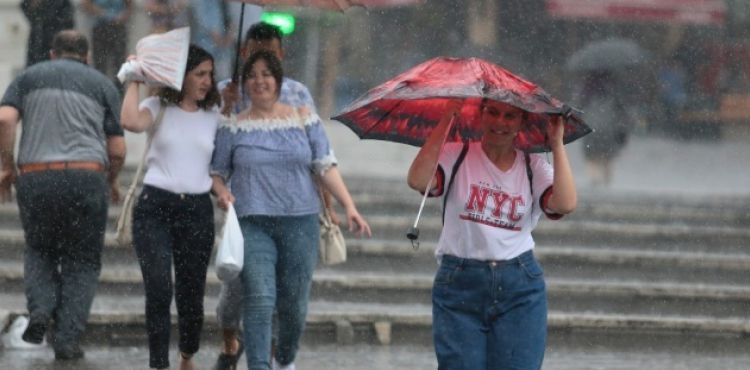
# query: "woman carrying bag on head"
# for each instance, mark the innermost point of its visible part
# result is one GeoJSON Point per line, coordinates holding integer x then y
{"type": "Point", "coordinates": [272, 155]}
{"type": "Point", "coordinates": [173, 217]}
{"type": "Point", "coordinates": [489, 297]}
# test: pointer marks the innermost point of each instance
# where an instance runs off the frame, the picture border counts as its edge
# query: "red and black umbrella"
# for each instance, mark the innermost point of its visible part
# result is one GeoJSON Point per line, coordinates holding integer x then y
{"type": "Point", "coordinates": [406, 108]}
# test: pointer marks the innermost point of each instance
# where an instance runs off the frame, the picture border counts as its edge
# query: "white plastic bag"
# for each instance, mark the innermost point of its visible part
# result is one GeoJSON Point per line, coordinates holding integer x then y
{"type": "Point", "coordinates": [231, 252]}
{"type": "Point", "coordinates": [160, 59]}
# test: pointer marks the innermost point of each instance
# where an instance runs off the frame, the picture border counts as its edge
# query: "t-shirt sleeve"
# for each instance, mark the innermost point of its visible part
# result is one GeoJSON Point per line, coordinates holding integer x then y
{"type": "Point", "coordinates": [447, 159]}
{"type": "Point", "coordinates": [221, 161]}
{"type": "Point", "coordinates": [112, 107]}
{"type": "Point", "coordinates": [322, 152]}
{"type": "Point", "coordinates": [152, 104]}
{"type": "Point", "coordinates": [543, 178]}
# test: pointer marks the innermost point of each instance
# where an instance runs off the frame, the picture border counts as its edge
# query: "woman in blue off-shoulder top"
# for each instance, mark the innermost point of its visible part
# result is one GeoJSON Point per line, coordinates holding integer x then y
{"type": "Point", "coordinates": [271, 156]}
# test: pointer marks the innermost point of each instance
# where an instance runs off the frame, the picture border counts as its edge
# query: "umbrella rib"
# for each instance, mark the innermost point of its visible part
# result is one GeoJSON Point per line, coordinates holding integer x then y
{"type": "Point", "coordinates": [382, 117]}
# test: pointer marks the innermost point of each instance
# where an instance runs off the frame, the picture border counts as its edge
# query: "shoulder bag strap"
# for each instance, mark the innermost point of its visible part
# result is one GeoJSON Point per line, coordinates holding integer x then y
{"type": "Point", "coordinates": [460, 159]}
{"type": "Point", "coordinates": [151, 133]}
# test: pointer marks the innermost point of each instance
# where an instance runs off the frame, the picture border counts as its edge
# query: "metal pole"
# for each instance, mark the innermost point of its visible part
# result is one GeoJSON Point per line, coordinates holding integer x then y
{"type": "Point", "coordinates": [235, 74]}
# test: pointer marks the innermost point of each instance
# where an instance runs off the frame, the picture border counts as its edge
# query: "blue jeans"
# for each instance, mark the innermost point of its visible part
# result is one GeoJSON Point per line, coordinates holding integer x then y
{"type": "Point", "coordinates": [280, 255]}
{"type": "Point", "coordinates": [489, 314]}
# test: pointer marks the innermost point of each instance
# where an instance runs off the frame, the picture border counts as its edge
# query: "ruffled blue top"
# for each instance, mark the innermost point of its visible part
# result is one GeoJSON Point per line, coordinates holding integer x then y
{"type": "Point", "coordinates": [270, 164]}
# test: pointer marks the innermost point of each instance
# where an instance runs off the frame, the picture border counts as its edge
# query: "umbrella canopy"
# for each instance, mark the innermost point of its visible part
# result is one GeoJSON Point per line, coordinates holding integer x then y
{"type": "Point", "coordinates": [607, 55]}
{"type": "Point", "coordinates": [331, 4]}
{"type": "Point", "coordinates": [406, 108]}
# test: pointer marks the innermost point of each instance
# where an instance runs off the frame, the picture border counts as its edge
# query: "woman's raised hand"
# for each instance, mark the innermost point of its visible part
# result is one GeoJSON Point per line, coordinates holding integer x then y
{"type": "Point", "coordinates": [555, 131]}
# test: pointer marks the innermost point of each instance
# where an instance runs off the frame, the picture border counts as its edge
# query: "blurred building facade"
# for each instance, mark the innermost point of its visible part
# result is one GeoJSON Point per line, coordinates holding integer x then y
{"type": "Point", "coordinates": [341, 55]}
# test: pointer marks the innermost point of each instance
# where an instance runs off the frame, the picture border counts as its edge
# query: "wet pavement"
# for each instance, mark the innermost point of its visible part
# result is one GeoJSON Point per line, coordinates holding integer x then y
{"type": "Point", "coordinates": [559, 357]}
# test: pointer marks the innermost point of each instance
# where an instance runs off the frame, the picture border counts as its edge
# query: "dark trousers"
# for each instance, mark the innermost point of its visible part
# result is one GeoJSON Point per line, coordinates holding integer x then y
{"type": "Point", "coordinates": [108, 47]}
{"type": "Point", "coordinates": [64, 214]}
{"type": "Point", "coordinates": [173, 227]}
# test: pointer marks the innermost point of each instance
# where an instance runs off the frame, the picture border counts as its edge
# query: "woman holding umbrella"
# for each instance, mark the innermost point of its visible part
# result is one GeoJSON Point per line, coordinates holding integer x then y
{"type": "Point", "coordinates": [489, 297]}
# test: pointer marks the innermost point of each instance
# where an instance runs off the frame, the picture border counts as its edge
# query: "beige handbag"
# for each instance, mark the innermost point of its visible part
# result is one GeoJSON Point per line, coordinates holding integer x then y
{"type": "Point", "coordinates": [332, 248]}
{"type": "Point", "coordinates": [124, 233]}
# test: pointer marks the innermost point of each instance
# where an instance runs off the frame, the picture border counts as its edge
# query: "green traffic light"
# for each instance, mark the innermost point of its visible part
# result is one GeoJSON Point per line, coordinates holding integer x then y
{"type": "Point", "coordinates": [284, 21]}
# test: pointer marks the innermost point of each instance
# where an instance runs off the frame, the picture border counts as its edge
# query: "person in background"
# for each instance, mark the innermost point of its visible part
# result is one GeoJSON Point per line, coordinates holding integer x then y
{"type": "Point", "coordinates": [274, 157]}
{"type": "Point", "coordinates": [260, 36]}
{"type": "Point", "coordinates": [70, 155]}
{"type": "Point", "coordinates": [109, 38]}
{"type": "Point", "coordinates": [173, 219]}
{"type": "Point", "coordinates": [211, 30]}
{"type": "Point", "coordinates": [46, 18]}
{"type": "Point", "coordinates": [605, 110]}
{"type": "Point", "coordinates": [167, 15]}
{"type": "Point", "coordinates": [489, 301]}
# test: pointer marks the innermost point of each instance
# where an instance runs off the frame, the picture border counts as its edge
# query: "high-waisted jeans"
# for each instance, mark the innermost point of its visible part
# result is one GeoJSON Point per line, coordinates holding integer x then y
{"type": "Point", "coordinates": [167, 227]}
{"type": "Point", "coordinates": [280, 255]}
{"type": "Point", "coordinates": [489, 314]}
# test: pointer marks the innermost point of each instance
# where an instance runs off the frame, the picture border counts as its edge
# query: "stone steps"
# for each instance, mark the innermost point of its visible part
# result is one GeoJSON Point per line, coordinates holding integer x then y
{"type": "Point", "coordinates": [348, 323]}
{"type": "Point", "coordinates": [650, 236]}
{"type": "Point", "coordinates": [720, 212]}
{"type": "Point", "coordinates": [671, 298]}
{"type": "Point", "coordinates": [613, 210]}
{"type": "Point", "coordinates": [717, 266]}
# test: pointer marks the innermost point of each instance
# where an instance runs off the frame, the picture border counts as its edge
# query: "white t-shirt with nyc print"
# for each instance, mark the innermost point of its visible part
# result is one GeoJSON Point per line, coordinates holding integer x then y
{"type": "Point", "coordinates": [488, 213]}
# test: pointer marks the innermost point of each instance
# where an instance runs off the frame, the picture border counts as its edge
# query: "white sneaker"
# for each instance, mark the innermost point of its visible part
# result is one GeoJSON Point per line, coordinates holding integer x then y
{"type": "Point", "coordinates": [12, 339]}
{"type": "Point", "coordinates": [276, 366]}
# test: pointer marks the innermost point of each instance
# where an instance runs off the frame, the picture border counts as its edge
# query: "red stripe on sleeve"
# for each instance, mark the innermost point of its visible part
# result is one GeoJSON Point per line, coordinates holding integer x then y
{"type": "Point", "coordinates": [440, 186]}
{"type": "Point", "coordinates": [544, 200]}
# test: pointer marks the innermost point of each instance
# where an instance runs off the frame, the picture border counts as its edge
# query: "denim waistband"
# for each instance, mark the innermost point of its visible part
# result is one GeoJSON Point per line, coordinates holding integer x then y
{"type": "Point", "coordinates": [168, 194]}
{"type": "Point", "coordinates": [522, 259]}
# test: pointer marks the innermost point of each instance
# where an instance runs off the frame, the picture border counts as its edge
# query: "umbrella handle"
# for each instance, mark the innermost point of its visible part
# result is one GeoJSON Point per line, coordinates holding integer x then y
{"type": "Point", "coordinates": [413, 233]}
{"type": "Point", "coordinates": [235, 73]}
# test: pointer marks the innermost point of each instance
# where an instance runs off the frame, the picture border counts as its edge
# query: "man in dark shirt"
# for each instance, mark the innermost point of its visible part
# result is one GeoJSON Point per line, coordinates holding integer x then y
{"type": "Point", "coordinates": [71, 151]}
{"type": "Point", "coordinates": [46, 18]}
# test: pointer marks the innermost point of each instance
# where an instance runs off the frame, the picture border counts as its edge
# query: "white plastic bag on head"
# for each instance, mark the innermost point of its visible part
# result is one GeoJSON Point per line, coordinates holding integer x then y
{"type": "Point", "coordinates": [231, 252]}
{"type": "Point", "coordinates": [160, 59]}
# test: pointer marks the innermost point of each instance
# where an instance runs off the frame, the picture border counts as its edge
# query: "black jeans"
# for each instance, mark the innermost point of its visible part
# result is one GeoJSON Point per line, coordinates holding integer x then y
{"type": "Point", "coordinates": [167, 227]}
{"type": "Point", "coordinates": [64, 214]}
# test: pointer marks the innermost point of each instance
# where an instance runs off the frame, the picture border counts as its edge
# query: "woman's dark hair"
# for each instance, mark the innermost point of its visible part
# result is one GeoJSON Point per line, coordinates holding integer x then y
{"type": "Point", "coordinates": [273, 63]}
{"type": "Point", "coordinates": [196, 56]}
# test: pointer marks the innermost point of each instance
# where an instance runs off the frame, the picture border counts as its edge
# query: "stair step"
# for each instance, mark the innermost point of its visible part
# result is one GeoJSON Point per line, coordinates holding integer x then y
{"type": "Point", "coordinates": [352, 323]}
{"type": "Point", "coordinates": [559, 261]}
{"type": "Point", "coordinates": [569, 295]}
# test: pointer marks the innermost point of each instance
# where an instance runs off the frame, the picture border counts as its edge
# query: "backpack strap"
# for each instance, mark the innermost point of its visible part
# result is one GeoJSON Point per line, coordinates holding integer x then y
{"type": "Point", "coordinates": [530, 175]}
{"type": "Point", "coordinates": [460, 159]}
